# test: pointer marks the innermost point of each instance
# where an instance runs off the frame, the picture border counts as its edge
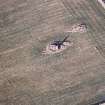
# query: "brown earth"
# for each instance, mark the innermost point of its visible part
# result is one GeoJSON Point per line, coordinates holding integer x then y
{"type": "Point", "coordinates": [75, 76]}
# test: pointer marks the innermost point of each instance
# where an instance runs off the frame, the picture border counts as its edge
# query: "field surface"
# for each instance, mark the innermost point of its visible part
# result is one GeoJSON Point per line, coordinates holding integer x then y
{"type": "Point", "coordinates": [75, 76]}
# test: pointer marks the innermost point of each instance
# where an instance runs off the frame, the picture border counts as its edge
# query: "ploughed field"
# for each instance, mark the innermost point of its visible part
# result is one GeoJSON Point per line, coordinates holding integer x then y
{"type": "Point", "coordinates": [75, 76]}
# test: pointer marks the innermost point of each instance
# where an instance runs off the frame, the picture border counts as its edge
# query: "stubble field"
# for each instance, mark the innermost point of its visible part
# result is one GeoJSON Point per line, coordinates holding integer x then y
{"type": "Point", "coordinates": [75, 76]}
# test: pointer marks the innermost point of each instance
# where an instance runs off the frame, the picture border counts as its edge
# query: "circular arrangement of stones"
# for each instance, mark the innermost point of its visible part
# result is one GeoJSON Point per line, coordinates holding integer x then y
{"type": "Point", "coordinates": [52, 49]}
{"type": "Point", "coordinates": [80, 27]}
